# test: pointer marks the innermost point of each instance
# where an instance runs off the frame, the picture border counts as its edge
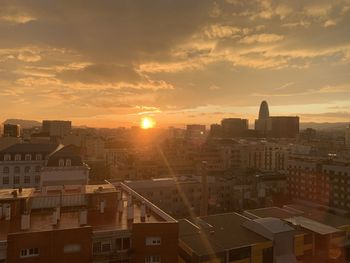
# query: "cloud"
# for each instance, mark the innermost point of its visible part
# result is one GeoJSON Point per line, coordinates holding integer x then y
{"type": "Point", "coordinates": [261, 38]}
{"type": "Point", "coordinates": [29, 56]}
{"type": "Point", "coordinates": [100, 59]}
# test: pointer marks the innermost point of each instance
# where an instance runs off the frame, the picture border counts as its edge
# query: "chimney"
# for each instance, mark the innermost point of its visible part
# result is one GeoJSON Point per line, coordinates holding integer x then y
{"type": "Point", "coordinates": [25, 221]}
{"type": "Point", "coordinates": [204, 182]}
{"type": "Point", "coordinates": [102, 206]}
{"type": "Point", "coordinates": [143, 212]}
{"type": "Point", "coordinates": [131, 213]}
{"type": "Point", "coordinates": [54, 218]}
{"type": "Point", "coordinates": [7, 212]}
{"type": "Point", "coordinates": [83, 217]}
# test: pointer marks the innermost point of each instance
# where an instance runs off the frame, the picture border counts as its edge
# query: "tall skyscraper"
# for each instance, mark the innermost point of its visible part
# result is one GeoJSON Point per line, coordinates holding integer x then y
{"type": "Point", "coordinates": [264, 114]}
{"type": "Point", "coordinates": [264, 111]}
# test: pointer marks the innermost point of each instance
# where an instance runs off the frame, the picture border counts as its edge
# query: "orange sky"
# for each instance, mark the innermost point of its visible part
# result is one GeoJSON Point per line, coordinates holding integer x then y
{"type": "Point", "coordinates": [110, 64]}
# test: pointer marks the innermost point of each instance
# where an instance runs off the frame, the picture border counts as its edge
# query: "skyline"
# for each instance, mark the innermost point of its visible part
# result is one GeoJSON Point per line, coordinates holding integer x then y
{"type": "Point", "coordinates": [112, 64]}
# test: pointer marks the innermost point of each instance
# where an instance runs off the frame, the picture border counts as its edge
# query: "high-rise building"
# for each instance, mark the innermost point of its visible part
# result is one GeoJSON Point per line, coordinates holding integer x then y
{"type": "Point", "coordinates": [195, 132]}
{"type": "Point", "coordinates": [55, 128]}
{"type": "Point", "coordinates": [264, 114]}
{"type": "Point", "coordinates": [264, 111]}
{"type": "Point", "coordinates": [12, 130]}
{"type": "Point", "coordinates": [283, 126]}
{"type": "Point", "coordinates": [234, 127]}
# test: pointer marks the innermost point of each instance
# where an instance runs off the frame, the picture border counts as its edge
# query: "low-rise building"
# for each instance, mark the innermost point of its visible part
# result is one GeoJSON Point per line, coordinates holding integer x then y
{"type": "Point", "coordinates": [96, 223]}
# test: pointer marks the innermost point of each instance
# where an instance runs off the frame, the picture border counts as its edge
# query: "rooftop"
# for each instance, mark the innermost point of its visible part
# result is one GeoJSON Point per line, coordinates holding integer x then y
{"type": "Point", "coordinates": [217, 233]}
{"type": "Point", "coordinates": [312, 225]}
{"type": "Point", "coordinates": [43, 206]}
{"type": "Point", "coordinates": [270, 212]}
{"type": "Point", "coordinates": [321, 216]}
{"type": "Point", "coordinates": [30, 148]}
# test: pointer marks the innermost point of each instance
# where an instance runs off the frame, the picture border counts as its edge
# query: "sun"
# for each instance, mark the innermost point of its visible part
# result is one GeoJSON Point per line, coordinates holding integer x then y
{"type": "Point", "coordinates": [147, 123]}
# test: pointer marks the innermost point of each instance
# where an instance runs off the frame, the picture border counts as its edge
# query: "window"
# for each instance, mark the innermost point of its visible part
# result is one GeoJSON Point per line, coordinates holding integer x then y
{"type": "Point", "coordinates": [37, 169]}
{"type": "Point", "coordinates": [152, 259]}
{"type": "Point", "coordinates": [61, 162]}
{"type": "Point", "coordinates": [17, 170]}
{"type": "Point", "coordinates": [28, 157]}
{"type": "Point", "coordinates": [18, 157]}
{"type": "Point", "coordinates": [27, 179]}
{"type": "Point", "coordinates": [16, 179]}
{"type": "Point", "coordinates": [37, 179]}
{"type": "Point", "coordinates": [106, 247]}
{"type": "Point", "coordinates": [68, 162]}
{"type": "Point", "coordinates": [6, 170]}
{"type": "Point", "coordinates": [5, 180]}
{"type": "Point", "coordinates": [71, 248]}
{"type": "Point", "coordinates": [96, 247]}
{"type": "Point", "coordinates": [38, 157]}
{"type": "Point", "coordinates": [7, 157]}
{"type": "Point", "coordinates": [122, 243]}
{"type": "Point", "coordinates": [27, 169]}
{"type": "Point", "coordinates": [101, 247]}
{"type": "Point", "coordinates": [153, 241]}
{"type": "Point", "coordinates": [29, 252]}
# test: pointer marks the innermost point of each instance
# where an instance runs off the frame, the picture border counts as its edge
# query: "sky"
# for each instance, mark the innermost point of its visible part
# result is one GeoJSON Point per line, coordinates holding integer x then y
{"type": "Point", "coordinates": [110, 63]}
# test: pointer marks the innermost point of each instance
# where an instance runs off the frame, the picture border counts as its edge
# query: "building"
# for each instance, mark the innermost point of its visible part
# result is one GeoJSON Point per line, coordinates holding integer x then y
{"type": "Point", "coordinates": [12, 130]}
{"type": "Point", "coordinates": [235, 238]}
{"type": "Point", "coordinates": [234, 127]}
{"type": "Point", "coordinates": [21, 164]}
{"type": "Point", "coordinates": [29, 165]}
{"type": "Point", "coordinates": [320, 236]}
{"type": "Point", "coordinates": [195, 132]}
{"type": "Point", "coordinates": [283, 126]}
{"type": "Point", "coordinates": [264, 114]}
{"type": "Point", "coordinates": [181, 196]}
{"type": "Point", "coordinates": [64, 167]}
{"type": "Point", "coordinates": [320, 180]}
{"type": "Point", "coordinates": [56, 128]}
{"type": "Point", "coordinates": [215, 131]}
{"type": "Point", "coordinates": [99, 223]}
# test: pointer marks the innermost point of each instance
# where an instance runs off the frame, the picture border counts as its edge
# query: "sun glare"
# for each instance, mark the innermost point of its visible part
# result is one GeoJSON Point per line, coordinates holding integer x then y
{"type": "Point", "coordinates": [147, 123]}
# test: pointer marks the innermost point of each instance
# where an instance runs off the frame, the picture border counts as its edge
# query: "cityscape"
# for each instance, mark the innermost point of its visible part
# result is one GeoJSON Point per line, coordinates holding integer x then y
{"type": "Point", "coordinates": [175, 131]}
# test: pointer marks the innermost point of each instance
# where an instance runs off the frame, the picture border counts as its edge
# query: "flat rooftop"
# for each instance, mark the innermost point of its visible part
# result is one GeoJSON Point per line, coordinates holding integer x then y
{"type": "Point", "coordinates": [321, 216]}
{"type": "Point", "coordinates": [111, 219]}
{"type": "Point", "coordinates": [276, 212]}
{"type": "Point", "coordinates": [217, 233]}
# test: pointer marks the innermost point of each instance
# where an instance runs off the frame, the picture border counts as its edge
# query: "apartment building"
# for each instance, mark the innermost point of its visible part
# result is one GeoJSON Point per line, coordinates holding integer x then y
{"type": "Point", "coordinates": [96, 223]}
{"type": "Point", "coordinates": [320, 180]}
{"type": "Point", "coordinates": [233, 237]}
{"type": "Point", "coordinates": [320, 236]}
{"type": "Point", "coordinates": [21, 163]}
{"type": "Point", "coordinates": [180, 196]}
